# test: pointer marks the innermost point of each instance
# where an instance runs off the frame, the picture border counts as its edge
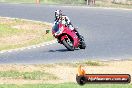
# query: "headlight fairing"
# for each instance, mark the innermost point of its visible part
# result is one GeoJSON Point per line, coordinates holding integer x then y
{"type": "Point", "coordinates": [59, 31]}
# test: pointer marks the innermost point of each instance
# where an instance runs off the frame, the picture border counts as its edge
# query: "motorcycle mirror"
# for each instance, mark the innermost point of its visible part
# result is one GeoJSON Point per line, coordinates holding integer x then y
{"type": "Point", "coordinates": [76, 27]}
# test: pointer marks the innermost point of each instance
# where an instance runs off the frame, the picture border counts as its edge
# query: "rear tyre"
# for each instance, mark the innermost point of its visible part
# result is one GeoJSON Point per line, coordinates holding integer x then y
{"type": "Point", "coordinates": [68, 44]}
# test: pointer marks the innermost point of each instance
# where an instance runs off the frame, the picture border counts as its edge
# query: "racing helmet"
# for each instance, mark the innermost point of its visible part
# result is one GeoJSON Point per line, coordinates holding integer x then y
{"type": "Point", "coordinates": [58, 14]}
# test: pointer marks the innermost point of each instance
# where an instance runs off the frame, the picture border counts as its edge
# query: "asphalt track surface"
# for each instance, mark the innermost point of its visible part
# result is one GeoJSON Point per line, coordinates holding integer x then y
{"type": "Point", "coordinates": [107, 32]}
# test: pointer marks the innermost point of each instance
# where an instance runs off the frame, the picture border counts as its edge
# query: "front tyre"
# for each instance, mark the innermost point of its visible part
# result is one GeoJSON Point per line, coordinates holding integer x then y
{"type": "Point", "coordinates": [82, 43]}
{"type": "Point", "coordinates": [68, 44]}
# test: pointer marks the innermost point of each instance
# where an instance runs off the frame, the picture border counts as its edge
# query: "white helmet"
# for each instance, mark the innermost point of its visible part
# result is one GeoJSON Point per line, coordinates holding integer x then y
{"type": "Point", "coordinates": [58, 14]}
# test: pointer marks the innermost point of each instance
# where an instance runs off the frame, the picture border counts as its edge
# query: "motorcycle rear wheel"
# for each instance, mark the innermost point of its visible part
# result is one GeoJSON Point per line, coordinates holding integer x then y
{"type": "Point", "coordinates": [67, 45]}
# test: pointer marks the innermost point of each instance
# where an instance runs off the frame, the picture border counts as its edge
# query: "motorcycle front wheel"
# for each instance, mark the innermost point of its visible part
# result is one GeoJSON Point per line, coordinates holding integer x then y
{"type": "Point", "coordinates": [68, 44]}
{"type": "Point", "coordinates": [82, 43]}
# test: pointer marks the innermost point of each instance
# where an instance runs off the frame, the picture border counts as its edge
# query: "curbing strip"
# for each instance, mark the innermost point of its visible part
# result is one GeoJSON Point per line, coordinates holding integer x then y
{"type": "Point", "coordinates": [29, 47]}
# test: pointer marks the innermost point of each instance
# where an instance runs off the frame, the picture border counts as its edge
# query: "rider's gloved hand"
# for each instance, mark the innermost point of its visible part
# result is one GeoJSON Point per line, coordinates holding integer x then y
{"type": "Point", "coordinates": [71, 27]}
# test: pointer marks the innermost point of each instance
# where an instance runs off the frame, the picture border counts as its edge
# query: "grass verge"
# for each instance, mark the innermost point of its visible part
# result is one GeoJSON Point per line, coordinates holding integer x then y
{"type": "Point", "coordinates": [99, 3]}
{"type": "Point", "coordinates": [16, 33]}
{"type": "Point", "coordinates": [84, 63]}
{"type": "Point", "coordinates": [46, 1]}
{"type": "Point", "coordinates": [67, 85]}
{"type": "Point", "coordinates": [51, 74]}
{"type": "Point", "coordinates": [35, 75]}
{"type": "Point", "coordinates": [113, 5]}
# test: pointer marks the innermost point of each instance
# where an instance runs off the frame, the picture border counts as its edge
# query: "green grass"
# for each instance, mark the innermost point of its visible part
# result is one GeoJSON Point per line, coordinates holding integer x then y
{"type": "Point", "coordinates": [18, 1]}
{"type": "Point", "coordinates": [35, 75]}
{"type": "Point", "coordinates": [67, 85]}
{"type": "Point", "coordinates": [28, 43]}
{"type": "Point", "coordinates": [27, 29]}
{"type": "Point", "coordinates": [93, 63]}
{"type": "Point", "coordinates": [5, 30]}
{"type": "Point", "coordinates": [46, 1]}
{"type": "Point", "coordinates": [86, 63]}
{"type": "Point", "coordinates": [73, 2]}
{"type": "Point", "coordinates": [99, 3]}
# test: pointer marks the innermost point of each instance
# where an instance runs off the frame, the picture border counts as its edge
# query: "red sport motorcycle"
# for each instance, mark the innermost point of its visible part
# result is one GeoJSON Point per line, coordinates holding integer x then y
{"type": "Point", "coordinates": [67, 37]}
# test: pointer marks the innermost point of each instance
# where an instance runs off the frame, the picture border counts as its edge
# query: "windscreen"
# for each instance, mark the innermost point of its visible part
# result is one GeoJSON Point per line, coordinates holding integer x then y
{"type": "Point", "coordinates": [55, 27]}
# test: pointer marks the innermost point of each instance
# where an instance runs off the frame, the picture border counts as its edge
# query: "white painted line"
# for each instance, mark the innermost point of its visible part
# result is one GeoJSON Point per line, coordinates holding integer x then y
{"type": "Point", "coordinates": [42, 45]}
{"type": "Point", "coordinates": [1, 52]}
{"type": "Point", "coordinates": [34, 46]}
{"type": "Point", "coordinates": [29, 47]}
{"type": "Point", "coordinates": [117, 59]}
{"type": "Point", "coordinates": [47, 44]}
{"type": "Point", "coordinates": [38, 46]}
{"type": "Point", "coordinates": [22, 49]}
{"type": "Point", "coordinates": [51, 43]}
{"type": "Point", "coordinates": [9, 51]}
{"type": "Point", "coordinates": [105, 60]}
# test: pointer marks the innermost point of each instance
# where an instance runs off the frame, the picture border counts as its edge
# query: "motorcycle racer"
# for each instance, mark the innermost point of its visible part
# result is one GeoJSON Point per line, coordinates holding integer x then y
{"type": "Point", "coordinates": [59, 17]}
{"type": "Point", "coordinates": [65, 33]}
